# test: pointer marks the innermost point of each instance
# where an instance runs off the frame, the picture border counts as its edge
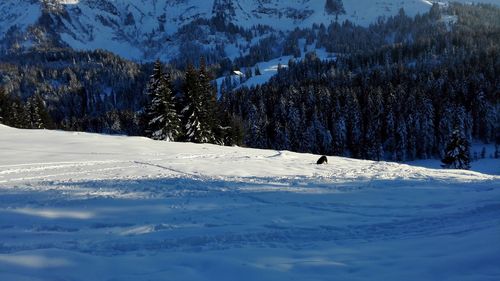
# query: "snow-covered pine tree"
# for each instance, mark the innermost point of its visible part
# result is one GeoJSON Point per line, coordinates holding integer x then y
{"type": "Point", "coordinates": [426, 116]}
{"type": "Point", "coordinates": [197, 116]}
{"type": "Point", "coordinates": [163, 120]}
{"type": "Point", "coordinates": [457, 152]}
{"type": "Point", "coordinates": [338, 126]}
{"type": "Point", "coordinates": [372, 143]}
{"type": "Point", "coordinates": [154, 81]}
{"type": "Point", "coordinates": [15, 113]}
{"type": "Point", "coordinates": [354, 124]}
{"type": "Point", "coordinates": [3, 105]}
{"type": "Point", "coordinates": [39, 117]}
{"type": "Point", "coordinates": [209, 98]}
{"type": "Point", "coordinates": [294, 124]}
{"type": "Point", "coordinates": [390, 124]}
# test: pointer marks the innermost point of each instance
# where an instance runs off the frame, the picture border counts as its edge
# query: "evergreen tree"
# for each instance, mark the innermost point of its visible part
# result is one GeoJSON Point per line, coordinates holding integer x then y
{"type": "Point", "coordinates": [373, 126]}
{"type": "Point", "coordinates": [39, 117]}
{"type": "Point", "coordinates": [13, 112]}
{"type": "Point", "coordinates": [163, 120]}
{"type": "Point", "coordinates": [198, 112]}
{"type": "Point", "coordinates": [334, 7]}
{"type": "Point", "coordinates": [457, 153]}
{"type": "Point", "coordinates": [18, 115]}
{"type": "Point", "coordinates": [354, 124]}
{"type": "Point", "coordinates": [257, 126]}
{"type": "Point", "coordinates": [4, 100]}
{"type": "Point", "coordinates": [209, 99]}
{"type": "Point", "coordinates": [257, 71]}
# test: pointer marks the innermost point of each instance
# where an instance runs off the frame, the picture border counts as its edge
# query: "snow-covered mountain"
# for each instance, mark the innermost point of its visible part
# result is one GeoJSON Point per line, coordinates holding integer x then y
{"type": "Point", "coordinates": [147, 29]}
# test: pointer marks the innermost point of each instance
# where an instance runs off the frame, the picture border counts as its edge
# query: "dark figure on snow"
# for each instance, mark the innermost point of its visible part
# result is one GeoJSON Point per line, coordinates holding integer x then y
{"type": "Point", "coordinates": [322, 160]}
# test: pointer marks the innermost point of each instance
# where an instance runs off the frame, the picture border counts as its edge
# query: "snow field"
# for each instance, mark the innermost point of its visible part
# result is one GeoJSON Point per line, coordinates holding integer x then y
{"type": "Point", "coordinates": [78, 206]}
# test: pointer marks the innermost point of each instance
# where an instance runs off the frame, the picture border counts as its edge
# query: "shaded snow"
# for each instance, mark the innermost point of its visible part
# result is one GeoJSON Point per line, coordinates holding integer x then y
{"type": "Point", "coordinates": [78, 206]}
{"type": "Point", "coordinates": [486, 165]}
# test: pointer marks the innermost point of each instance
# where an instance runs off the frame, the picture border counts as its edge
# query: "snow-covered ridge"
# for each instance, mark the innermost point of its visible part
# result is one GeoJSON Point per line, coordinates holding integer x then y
{"type": "Point", "coordinates": [143, 29]}
{"type": "Point", "coordinates": [138, 29]}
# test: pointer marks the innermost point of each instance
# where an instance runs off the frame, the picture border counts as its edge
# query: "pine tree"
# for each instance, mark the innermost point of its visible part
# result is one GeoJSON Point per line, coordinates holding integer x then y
{"type": "Point", "coordinates": [14, 113]}
{"type": "Point", "coordinates": [334, 7]}
{"type": "Point", "coordinates": [257, 71]}
{"type": "Point", "coordinates": [401, 137]}
{"type": "Point", "coordinates": [4, 99]}
{"type": "Point", "coordinates": [354, 125]}
{"type": "Point", "coordinates": [373, 148]}
{"type": "Point", "coordinates": [457, 153]}
{"type": "Point", "coordinates": [257, 126]}
{"type": "Point", "coordinates": [163, 120]}
{"type": "Point", "coordinates": [39, 117]}
{"type": "Point", "coordinates": [209, 98]}
{"type": "Point", "coordinates": [198, 112]}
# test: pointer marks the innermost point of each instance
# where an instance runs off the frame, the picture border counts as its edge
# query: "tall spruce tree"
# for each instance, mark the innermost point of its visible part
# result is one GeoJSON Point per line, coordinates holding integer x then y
{"type": "Point", "coordinates": [457, 152]}
{"type": "Point", "coordinates": [197, 113]}
{"type": "Point", "coordinates": [13, 112]}
{"type": "Point", "coordinates": [209, 98]}
{"type": "Point", "coordinates": [3, 105]}
{"type": "Point", "coordinates": [39, 117]}
{"type": "Point", "coordinates": [163, 120]}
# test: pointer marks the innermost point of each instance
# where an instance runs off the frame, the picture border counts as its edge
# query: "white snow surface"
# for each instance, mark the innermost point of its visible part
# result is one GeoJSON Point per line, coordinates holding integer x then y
{"type": "Point", "coordinates": [79, 206]}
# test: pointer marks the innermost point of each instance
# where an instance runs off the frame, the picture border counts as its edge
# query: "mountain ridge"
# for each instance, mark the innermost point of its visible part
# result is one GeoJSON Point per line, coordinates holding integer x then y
{"type": "Point", "coordinates": [147, 29]}
{"type": "Point", "coordinates": [141, 30]}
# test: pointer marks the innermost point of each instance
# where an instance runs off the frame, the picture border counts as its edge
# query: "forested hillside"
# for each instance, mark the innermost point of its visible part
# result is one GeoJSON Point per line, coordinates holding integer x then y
{"type": "Point", "coordinates": [86, 91]}
{"type": "Point", "coordinates": [396, 100]}
{"type": "Point", "coordinates": [396, 89]}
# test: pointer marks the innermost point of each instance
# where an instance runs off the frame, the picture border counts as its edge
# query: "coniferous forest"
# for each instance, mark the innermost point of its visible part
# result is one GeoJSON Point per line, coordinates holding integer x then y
{"type": "Point", "coordinates": [398, 101]}
{"type": "Point", "coordinates": [399, 89]}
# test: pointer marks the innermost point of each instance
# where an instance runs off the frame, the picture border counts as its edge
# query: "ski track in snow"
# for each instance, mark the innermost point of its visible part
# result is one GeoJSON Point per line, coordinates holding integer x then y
{"type": "Point", "coordinates": [201, 212]}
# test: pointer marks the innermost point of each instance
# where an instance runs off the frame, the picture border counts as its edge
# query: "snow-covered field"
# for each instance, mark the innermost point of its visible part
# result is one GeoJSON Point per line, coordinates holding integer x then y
{"type": "Point", "coordinates": [77, 206]}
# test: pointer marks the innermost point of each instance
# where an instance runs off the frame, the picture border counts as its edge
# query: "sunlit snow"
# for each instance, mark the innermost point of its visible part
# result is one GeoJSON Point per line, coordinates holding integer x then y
{"type": "Point", "coordinates": [79, 206]}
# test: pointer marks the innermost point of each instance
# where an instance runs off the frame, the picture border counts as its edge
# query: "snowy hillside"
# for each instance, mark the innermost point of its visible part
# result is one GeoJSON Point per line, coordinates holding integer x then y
{"type": "Point", "coordinates": [147, 29]}
{"type": "Point", "coordinates": [77, 206]}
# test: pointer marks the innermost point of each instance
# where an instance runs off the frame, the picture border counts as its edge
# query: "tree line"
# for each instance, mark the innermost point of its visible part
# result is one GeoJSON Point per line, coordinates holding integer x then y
{"type": "Point", "coordinates": [192, 114]}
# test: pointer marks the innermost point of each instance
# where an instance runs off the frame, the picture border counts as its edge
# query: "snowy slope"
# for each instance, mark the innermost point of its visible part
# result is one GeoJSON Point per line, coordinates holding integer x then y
{"type": "Point", "coordinates": [143, 29]}
{"type": "Point", "coordinates": [268, 69]}
{"type": "Point", "coordinates": [78, 206]}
